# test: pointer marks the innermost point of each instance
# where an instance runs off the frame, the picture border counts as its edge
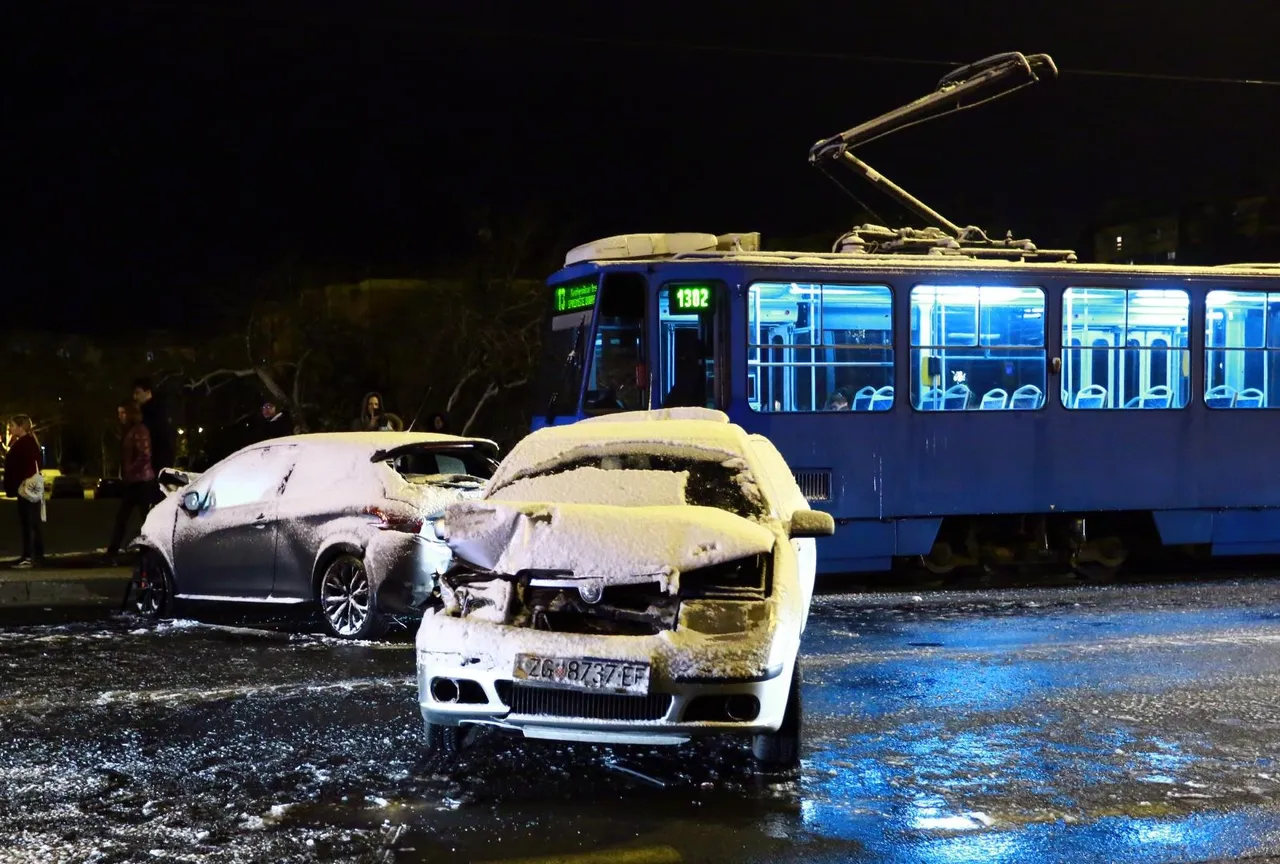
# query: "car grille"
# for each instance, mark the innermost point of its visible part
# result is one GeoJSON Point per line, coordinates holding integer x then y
{"type": "Point", "coordinates": [546, 702]}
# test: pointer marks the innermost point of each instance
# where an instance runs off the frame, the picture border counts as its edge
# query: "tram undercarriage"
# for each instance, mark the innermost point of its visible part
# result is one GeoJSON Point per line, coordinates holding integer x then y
{"type": "Point", "coordinates": [1093, 546]}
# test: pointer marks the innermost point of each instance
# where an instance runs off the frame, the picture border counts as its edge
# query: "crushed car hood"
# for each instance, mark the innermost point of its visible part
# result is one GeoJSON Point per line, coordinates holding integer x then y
{"type": "Point", "coordinates": [617, 544]}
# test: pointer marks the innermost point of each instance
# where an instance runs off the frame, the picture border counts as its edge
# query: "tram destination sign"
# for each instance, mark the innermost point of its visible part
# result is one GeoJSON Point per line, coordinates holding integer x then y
{"type": "Point", "coordinates": [576, 296]}
{"type": "Point", "coordinates": [691, 298]}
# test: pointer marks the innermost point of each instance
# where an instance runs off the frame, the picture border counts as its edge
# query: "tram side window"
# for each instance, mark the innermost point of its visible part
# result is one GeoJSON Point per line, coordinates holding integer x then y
{"type": "Point", "coordinates": [1242, 349]}
{"type": "Point", "coordinates": [977, 348]}
{"type": "Point", "coordinates": [1125, 348]}
{"type": "Point", "coordinates": [819, 347]}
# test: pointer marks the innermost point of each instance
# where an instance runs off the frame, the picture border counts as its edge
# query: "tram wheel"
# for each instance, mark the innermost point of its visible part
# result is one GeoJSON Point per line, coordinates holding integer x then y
{"type": "Point", "coordinates": [1104, 560]}
{"type": "Point", "coordinates": [940, 561]}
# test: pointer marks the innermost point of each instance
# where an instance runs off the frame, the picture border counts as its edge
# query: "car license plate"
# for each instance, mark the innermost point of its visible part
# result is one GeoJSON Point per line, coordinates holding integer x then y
{"type": "Point", "coordinates": [605, 676]}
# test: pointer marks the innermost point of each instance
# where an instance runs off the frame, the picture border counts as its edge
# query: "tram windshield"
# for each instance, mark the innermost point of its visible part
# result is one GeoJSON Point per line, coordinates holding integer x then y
{"type": "Point", "coordinates": [596, 339]}
{"type": "Point", "coordinates": [560, 372]}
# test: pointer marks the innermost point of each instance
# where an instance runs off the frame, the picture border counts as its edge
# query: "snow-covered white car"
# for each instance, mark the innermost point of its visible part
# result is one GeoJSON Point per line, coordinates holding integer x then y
{"type": "Point", "coordinates": [341, 521]}
{"type": "Point", "coordinates": [640, 578]}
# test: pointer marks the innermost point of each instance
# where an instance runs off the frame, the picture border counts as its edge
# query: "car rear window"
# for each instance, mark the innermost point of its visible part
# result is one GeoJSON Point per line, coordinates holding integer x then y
{"type": "Point", "coordinates": [434, 461]}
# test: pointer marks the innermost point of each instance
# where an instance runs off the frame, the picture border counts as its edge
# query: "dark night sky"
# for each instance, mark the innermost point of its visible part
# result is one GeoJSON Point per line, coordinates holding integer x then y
{"type": "Point", "coordinates": [158, 148]}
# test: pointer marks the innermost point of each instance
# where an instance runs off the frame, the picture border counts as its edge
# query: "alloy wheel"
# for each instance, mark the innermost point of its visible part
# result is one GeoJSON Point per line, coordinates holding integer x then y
{"type": "Point", "coordinates": [151, 588]}
{"type": "Point", "coordinates": [344, 596]}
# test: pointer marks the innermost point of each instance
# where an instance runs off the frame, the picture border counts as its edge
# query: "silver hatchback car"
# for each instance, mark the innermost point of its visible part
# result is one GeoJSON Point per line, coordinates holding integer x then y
{"type": "Point", "coordinates": [342, 521]}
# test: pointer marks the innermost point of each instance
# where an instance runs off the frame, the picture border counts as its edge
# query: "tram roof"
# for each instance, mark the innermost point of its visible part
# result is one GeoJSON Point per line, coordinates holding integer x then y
{"type": "Point", "coordinates": [624, 252]}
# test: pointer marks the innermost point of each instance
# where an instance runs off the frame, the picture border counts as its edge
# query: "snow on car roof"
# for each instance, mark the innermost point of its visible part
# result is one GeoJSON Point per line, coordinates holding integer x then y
{"type": "Point", "coordinates": [374, 441]}
{"type": "Point", "coordinates": [700, 439]}
{"type": "Point", "coordinates": [708, 414]}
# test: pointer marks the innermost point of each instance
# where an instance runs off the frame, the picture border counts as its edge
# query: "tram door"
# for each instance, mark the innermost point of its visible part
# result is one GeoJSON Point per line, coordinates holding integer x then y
{"type": "Point", "coordinates": [691, 346]}
{"type": "Point", "coordinates": [1151, 363]}
{"type": "Point", "coordinates": [1089, 363]}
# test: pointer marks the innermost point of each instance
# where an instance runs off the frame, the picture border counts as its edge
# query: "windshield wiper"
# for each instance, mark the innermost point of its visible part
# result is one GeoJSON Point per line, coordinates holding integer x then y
{"type": "Point", "coordinates": [565, 369]}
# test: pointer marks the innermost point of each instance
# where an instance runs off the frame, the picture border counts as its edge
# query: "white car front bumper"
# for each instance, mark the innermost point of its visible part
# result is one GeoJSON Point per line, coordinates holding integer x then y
{"type": "Point", "coordinates": [690, 683]}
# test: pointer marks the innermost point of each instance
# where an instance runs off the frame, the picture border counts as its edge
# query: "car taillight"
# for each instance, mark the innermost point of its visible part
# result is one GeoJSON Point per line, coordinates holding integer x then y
{"type": "Point", "coordinates": [387, 520]}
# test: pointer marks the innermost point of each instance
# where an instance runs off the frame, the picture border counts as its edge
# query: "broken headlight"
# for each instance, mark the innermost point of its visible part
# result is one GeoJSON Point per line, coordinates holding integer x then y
{"type": "Point", "coordinates": [742, 579]}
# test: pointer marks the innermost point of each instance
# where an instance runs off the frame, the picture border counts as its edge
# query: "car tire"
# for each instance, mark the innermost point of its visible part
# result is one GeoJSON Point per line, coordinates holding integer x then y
{"type": "Point", "coordinates": [443, 740]}
{"type": "Point", "coordinates": [449, 741]}
{"type": "Point", "coordinates": [780, 751]}
{"type": "Point", "coordinates": [345, 596]}
{"type": "Point", "coordinates": [151, 589]}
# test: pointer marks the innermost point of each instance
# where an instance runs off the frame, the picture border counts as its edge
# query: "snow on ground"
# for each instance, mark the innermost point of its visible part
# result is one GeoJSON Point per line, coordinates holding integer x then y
{"type": "Point", "coordinates": [1126, 724]}
{"type": "Point", "coordinates": [227, 749]}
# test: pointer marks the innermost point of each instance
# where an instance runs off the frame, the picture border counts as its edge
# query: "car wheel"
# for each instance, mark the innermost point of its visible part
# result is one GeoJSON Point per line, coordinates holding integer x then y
{"type": "Point", "coordinates": [780, 751]}
{"type": "Point", "coordinates": [443, 740]}
{"type": "Point", "coordinates": [346, 600]}
{"type": "Point", "coordinates": [449, 741]}
{"type": "Point", "coordinates": [150, 592]}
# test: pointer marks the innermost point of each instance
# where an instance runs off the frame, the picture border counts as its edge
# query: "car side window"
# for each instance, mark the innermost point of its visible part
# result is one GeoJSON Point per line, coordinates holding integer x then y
{"type": "Point", "coordinates": [250, 477]}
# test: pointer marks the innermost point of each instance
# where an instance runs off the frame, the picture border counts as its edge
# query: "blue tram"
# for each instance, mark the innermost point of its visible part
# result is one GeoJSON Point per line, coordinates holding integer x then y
{"type": "Point", "coordinates": [951, 400]}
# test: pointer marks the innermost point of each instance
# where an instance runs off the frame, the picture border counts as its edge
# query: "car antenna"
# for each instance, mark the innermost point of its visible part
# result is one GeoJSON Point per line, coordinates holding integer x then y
{"type": "Point", "coordinates": [967, 87]}
{"type": "Point", "coordinates": [421, 405]}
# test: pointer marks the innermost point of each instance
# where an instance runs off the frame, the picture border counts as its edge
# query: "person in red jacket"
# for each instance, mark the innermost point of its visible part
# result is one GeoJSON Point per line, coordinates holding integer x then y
{"type": "Point", "coordinates": [21, 464]}
{"type": "Point", "coordinates": [136, 471]}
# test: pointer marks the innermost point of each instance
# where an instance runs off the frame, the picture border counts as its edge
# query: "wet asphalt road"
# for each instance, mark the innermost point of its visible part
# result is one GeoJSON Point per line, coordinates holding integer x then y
{"type": "Point", "coordinates": [1134, 724]}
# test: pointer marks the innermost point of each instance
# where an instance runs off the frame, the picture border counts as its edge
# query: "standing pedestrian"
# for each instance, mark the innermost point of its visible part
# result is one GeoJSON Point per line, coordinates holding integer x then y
{"type": "Point", "coordinates": [22, 480]}
{"type": "Point", "coordinates": [375, 418]}
{"type": "Point", "coordinates": [136, 471]}
{"type": "Point", "coordinates": [153, 415]}
{"type": "Point", "coordinates": [274, 424]}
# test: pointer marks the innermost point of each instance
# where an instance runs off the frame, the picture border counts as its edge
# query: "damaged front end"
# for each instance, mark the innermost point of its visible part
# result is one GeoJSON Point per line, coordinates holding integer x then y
{"type": "Point", "coordinates": [560, 601]}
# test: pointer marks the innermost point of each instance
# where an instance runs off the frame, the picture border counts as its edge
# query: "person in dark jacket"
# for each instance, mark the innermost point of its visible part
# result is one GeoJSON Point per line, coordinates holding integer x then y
{"type": "Point", "coordinates": [157, 422]}
{"type": "Point", "coordinates": [439, 423]}
{"type": "Point", "coordinates": [136, 471]}
{"type": "Point", "coordinates": [275, 423]}
{"type": "Point", "coordinates": [21, 463]}
{"type": "Point", "coordinates": [374, 418]}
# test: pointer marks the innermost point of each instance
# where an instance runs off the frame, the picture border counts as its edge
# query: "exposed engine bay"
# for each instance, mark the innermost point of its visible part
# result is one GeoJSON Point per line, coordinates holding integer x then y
{"type": "Point", "coordinates": [563, 603]}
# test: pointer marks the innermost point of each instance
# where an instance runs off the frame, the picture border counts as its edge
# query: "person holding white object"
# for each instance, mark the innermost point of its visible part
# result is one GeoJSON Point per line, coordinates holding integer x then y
{"type": "Point", "coordinates": [22, 480]}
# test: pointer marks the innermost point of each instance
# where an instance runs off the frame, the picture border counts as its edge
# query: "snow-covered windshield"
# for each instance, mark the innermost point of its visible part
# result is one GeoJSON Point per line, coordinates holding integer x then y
{"type": "Point", "coordinates": [640, 480]}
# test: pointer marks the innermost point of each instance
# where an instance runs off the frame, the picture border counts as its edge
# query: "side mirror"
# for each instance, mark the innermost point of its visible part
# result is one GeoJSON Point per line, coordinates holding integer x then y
{"type": "Point", "coordinates": [192, 502]}
{"type": "Point", "coordinates": [812, 523]}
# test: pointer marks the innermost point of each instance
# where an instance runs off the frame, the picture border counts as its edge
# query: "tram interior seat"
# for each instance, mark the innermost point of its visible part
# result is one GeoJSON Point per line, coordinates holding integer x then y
{"type": "Point", "coordinates": [994, 400]}
{"type": "Point", "coordinates": [1093, 396]}
{"type": "Point", "coordinates": [1251, 398]}
{"type": "Point", "coordinates": [1222, 396]}
{"type": "Point", "coordinates": [1028, 397]}
{"type": "Point", "coordinates": [883, 399]}
{"type": "Point", "coordinates": [956, 398]}
{"type": "Point", "coordinates": [931, 400]}
{"type": "Point", "coordinates": [864, 399]}
{"type": "Point", "coordinates": [1155, 397]}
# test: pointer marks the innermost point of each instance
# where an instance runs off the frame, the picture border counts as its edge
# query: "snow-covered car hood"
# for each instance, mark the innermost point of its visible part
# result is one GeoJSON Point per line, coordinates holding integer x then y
{"type": "Point", "coordinates": [616, 544]}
